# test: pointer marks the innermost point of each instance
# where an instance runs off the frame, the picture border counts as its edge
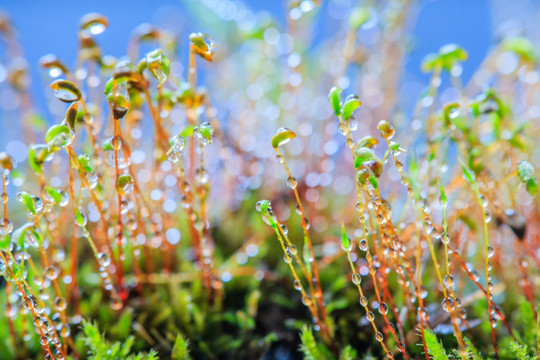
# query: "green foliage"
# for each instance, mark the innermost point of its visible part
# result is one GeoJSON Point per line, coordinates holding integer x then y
{"type": "Point", "coordinates": [363, 154]}
{"type": "Point", "coordinates": [172, 256]}
{"type": "Point", "coordinates": [521, 351]}
{"type": "Point", "coordinates": [447, 57]}
{"type": "Point", "coordinates": [471, 349]}
{"type": "Point", "coordinates": [435, 348]}
{"type": "Point", "coordinates": [345, 242]}
{"type": "Point", "coordinates": [352, 102]}
{"type": "Point", "coordinates": [335, 100]}
{"type": "Point", "coordinates": [100, 349]}
{"type": "Point", "coordinates": [348, 353]}
{"type": "Point", "coordinates": [310, 347]}
{"type": "Point", "coordinates": [28, 201]}
{"type": "Point", "coordinates": [180, 349]}
{"type": "Point", "coordinates": [282, 136]}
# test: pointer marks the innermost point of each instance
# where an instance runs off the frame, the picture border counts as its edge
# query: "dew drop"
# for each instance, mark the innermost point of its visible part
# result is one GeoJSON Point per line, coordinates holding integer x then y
{"type": "Point", "coordinates": [125, 184]}
{"type": "Point", "coordinates": [92, 179]}
{"type": "Point", "coordinates": [490, 251]}
{"type": "Point", "coordinates": [448, 305]}
{"type": "Point", "coordinates": [204, 133]}
{"type": "Point", "coordinates": [60, 304]}
{"type": "Point", "coordinates": [383, 309]}
{"type": "Point", "coordinates": [370, 316]}
{"type": "Point", "coordinates": [6, 227]}
{"type": "Point", "coordinates": [51, 273]}
{"type": "Point", "coordinates": [363, 301]}
{"type": "Point", "coordinates": [291, 182]}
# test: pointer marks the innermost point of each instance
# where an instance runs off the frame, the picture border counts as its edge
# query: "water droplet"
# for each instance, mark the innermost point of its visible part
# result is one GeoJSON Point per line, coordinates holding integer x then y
{"type": "Point", "coordinates": [59, 135]}
{"type": "Point", "coordinates": [104, 259]}
{"type": "Point", "coordinates": [363, 301]}
{"type": "Point", "coordinates": [370, 316]}
{"type": "Point", "coordinates": [119, 99]}
{"type": "Point", "coordinates": [306, 300]}
{"type": "Point", "coordinates": [125, 184]}
{"type": "Point", "coordinates": [342, 129]}
{"type": "Point", "coordinates": [83, 219]}
{"type": "Point", "coordinates": [490, 251]}
{"type": "Point", "coordinates": [454, 113]}
{"type": "Point", "coordinates": [363, 245]}
{"type": "Point", "coordinates": [65, 90]}
{"type": "Point", "coordinates": [383, 309]}
{"type": "Point", "coordinates": [291, 182]}
{"type": "Point", "coordinates": [203, 45]}
{"type": "Point", "coordinates": [287, 258]}
{"type": "Point", "coordinates": [202, 176]}
{"type": "Point", "coordinates": [356, 278]}
{"type": "Point", "coordinates": [60, 304]}
{"type": "Point", "coordinates": [92, 179]}
{"type": "Point", "coordinates": [386, 129]}
{"type": "Point", "coordinates": [204, 133]}
{"type": "Point", "coordinates": [177, 143]}
{"type": "Point", "coordinates": [6, 227]}
{"type": "Point", "coordinates": [487, 214]}
{"type": "Point", "coordinates": [448, 305]}
{"type": "Point", "coordinates": [124, 153]}
{"type": "Point", "coordinates": [93, 24]}
{"type": "Point", "coordinates": [379, 336]}
{"type": "Point", "coordinates": [51, 272]}
{"type": "Point", "coordinates": [449, 281]}
{"type": "Point", "coordinates": [353, 124]}
{"type": "Point", "coordinates": [484, 201]}
{"type": "Point", "coordinates": [158, 65]}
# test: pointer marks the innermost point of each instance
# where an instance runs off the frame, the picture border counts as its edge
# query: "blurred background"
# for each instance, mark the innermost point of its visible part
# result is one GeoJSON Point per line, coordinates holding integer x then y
{"type": "Point", "coordinates": [51, 27]}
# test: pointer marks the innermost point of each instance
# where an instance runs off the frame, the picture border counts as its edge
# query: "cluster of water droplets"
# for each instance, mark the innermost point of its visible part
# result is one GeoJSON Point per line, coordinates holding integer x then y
{"type": "Point", "coordinates": [177, 143]}
{"type": "Point", "coordinates": [204, 133]}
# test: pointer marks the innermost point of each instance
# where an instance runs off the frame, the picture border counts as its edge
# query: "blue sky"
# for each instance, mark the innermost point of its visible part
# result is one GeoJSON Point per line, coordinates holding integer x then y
{"type": "Point", "coordinates": [51, 27]}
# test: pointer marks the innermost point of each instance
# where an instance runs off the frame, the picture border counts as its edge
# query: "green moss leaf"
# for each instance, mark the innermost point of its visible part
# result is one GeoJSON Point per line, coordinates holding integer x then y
{"type": "Point", "coordinates": [363, 154]}
{"type": "Point", "coordinates": [58, 136]}
{"type": "Point", "coordinates": [352, 102]}
{"type": "Point", "coordinates": [435, 348]}
{"type": "Point", "coordinates": [282, 136]}
{"type": "Point", "coordinates": [180, 349]}
{"type": "Point", "coordinates": [309, 345]}
{"type": "Point", "coordinates": [5, 241]}
{"type": "Point", "coordinates": [66, 91]}
{"type": "Point", "coordinates": [345, 242]}
{"type": "Point", "coordinates": [28, 201]}
{"type": "Point", "coordinates": [467, 174]}
{"type": "Point", "coordinates": [532, 187]}
{"type": "Point", "coordinates": [335, 99]}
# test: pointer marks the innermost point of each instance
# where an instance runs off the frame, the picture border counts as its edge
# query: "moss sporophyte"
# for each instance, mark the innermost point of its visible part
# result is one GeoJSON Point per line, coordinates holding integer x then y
{"type": "Point", "coordinates": [129, 223]}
